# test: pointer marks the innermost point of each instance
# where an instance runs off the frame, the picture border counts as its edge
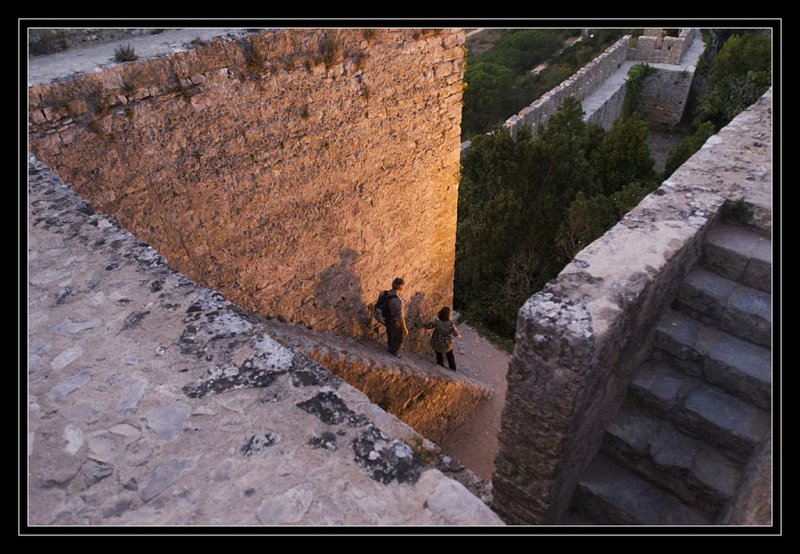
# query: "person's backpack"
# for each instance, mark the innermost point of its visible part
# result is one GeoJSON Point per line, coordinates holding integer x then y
{"type": "Point", "coordinates": [382, 311]}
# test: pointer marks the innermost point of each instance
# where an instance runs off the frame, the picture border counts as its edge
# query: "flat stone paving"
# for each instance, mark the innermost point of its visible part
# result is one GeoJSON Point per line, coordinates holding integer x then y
{"type": "Point", "coordinates": [154, 402]}
{"type": "Point", "coordinates": [611, 85]}
{"type": "Point", "coordinates": [98, 57]}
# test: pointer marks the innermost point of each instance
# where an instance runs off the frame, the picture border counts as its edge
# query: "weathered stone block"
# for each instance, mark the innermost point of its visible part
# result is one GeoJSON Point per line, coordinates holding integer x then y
{"type": "Point", "coordinates": [722, 419]}
{"type": "Point", "coordinates": [741, 368]}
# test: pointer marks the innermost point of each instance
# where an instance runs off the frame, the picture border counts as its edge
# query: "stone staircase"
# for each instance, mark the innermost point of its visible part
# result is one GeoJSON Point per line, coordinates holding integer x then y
{"type": "Point", "coordinates": [699, 406]}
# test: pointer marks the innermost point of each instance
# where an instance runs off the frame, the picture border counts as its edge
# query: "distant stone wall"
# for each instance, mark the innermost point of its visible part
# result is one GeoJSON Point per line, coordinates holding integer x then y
{"type": "Point", "coordinates": [579, 339]}
{"type": "Point", "coordinates": [663, 100]}
{"type": "Point", "coordinates": [664, 96]}
{"type": "Point", "coordinates": [606, 114]}
{"type": "Point", "coordinates": [580, 85]}
{"type": "Point", "coordinates": [297, 172]}
{"type": "Point", "coordinates": [654, 48]}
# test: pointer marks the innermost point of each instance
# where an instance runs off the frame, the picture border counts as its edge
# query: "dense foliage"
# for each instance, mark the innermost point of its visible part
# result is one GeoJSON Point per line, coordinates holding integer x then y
{"type": "Point", "coordinates": [637, 77]}
{"type": "Point", "coordinates": [499, 82]}
{"type": "Point", "coordinates": [733, 80]}
{"type": "Point", "coordinates": [527, 206]}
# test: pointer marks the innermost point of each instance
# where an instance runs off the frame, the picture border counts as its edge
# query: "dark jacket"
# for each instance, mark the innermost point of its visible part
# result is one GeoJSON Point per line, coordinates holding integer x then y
{"type": "Point", "coordinates": [443, 334]}
{"type": "Point", "coordinates": [396, 311]}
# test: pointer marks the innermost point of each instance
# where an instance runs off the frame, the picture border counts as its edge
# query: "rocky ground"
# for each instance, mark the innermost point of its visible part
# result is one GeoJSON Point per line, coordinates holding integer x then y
{"type": "Point", "coordinates": [475, 442]}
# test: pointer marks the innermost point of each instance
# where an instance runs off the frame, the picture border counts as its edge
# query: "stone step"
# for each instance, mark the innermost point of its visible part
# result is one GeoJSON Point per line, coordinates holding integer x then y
{"type": "Point", "coordinates": [609, 493]}
{"type": "Point", "coordinates": [700, 410]}
{"type": "Point", "coordinates": [723, 360]}
{"type": "Point", "coordinates": [691, 469]}
{"type": "Point", "coordinates": [737, 309]}
{"type": "Point", "coordinates": [575, 518]}
{"type": "Point", "coordinates": [739, 254]}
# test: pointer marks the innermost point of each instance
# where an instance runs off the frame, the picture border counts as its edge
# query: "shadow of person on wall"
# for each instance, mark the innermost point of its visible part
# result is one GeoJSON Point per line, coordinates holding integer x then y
{"type": "Point", "coordinates": [416, 311]}
{"type": "Point", "coordinates": [339, 289]}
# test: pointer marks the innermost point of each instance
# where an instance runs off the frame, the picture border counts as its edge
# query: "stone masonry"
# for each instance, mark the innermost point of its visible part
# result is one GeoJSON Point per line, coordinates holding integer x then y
{"type": "Point", "coordinates": [296, 171]}
{"type": "Point", "coordinates": [653, 47]}
{"type": "Point", "coordinates": [152, 401]}
{"type": "Point", "coordinates": [698, 408]}
{"type": "Point", "coordinates": [600, 85]}
{"type": "Point", "coordinates": [580, 339]}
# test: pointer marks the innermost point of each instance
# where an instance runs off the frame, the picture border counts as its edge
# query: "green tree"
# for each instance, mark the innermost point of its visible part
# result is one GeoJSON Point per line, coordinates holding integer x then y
{"type": "Point", "coordinates": [513, 198]}
{"type": "Point", "coordinates": [490, 209]}
{"type": "Point", "coordinates": [485, 98]}
{"type": "Point", "coordinates": [637, 78]}
{"type": "Point", "coordinates": [587, 219]}
{"type": "Point", "coordinates": [561, 153]}
{"type": "Point", "coordinates": [740, 73]}
{"type": "Point", "coordinates": [627, 198]}
{"type": "Point", "coordinates": [688, 146]}
{"type": "Point", "coordinates": [624, 157]}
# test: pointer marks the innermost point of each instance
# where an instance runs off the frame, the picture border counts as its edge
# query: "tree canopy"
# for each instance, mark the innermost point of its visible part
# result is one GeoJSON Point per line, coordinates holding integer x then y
{"type": "Point", "coordinates": [739, 74]}
{"type": "Point", "coordinates": [527, 206]}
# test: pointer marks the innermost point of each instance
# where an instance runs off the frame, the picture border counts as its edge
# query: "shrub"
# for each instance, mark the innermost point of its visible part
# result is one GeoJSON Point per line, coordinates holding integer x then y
{"type": "Point", "coordinates": [637, 78]}
{"type": "Point", "coordinates": [328, 49]}
{"type": "Point", "coordinates": [254, 61]}
{"type": "Point", "coordinates": [125, 54]}
{"type": "Point", "coordinates": [688, 146]}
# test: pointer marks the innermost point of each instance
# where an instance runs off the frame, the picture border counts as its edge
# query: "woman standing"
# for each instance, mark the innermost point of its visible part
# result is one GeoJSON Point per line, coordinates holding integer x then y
{"type": "Point", "coordinates": [444, 331]}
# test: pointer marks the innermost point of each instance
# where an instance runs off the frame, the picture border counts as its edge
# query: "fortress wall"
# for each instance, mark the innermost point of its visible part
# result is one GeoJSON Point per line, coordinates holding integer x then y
{"type": "Point", "coordinates": [653, 48]}
{"type": "Point", "coordinates": [295, 171]}
{"type": "Point", "coordinates": [664, 96]}
{"type": "Point", "coordinates": [580, 85]}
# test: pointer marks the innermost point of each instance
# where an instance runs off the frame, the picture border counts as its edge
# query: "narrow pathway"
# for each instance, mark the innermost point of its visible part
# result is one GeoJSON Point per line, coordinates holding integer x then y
{"type": "Point", "coordinates": [475, 442]}
{"type": "Point", "coordinates": [96, 57]}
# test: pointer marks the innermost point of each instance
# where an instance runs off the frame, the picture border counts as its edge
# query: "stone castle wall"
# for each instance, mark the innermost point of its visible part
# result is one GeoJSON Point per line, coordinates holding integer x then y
{"type": "Point", "coordinates": [580, 85]}
{"type": "Point", "coordinates": [296, 171]}
{"type": "Point", "coordinates": [654, 48]}
{"type": "Point", "coordinates": [662, 100]}
{"type": "Point", "coordinates": [664, 95]}
{"type": "Point", "coordinates": [579, 339]}
{"type": "Point", "coordinates": [608, 112]}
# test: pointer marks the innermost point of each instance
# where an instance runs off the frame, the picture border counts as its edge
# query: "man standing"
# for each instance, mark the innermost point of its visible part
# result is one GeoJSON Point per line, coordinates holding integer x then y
{"type": "Point", "coordinates": [391, 306]}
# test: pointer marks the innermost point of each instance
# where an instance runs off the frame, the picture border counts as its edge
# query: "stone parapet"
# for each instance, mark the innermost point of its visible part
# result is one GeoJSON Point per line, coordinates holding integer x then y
{"type": "Point", "coordinates": [579, 339]}
{"type": "Point", "coordinates": [654, 48]}
{"type": "Point", "coordinates": [580, 85]}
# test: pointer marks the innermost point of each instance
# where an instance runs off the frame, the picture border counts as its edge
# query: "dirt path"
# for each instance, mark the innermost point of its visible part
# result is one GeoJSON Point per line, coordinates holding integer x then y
{"type": "Point", "coordinates": [475, 442]}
